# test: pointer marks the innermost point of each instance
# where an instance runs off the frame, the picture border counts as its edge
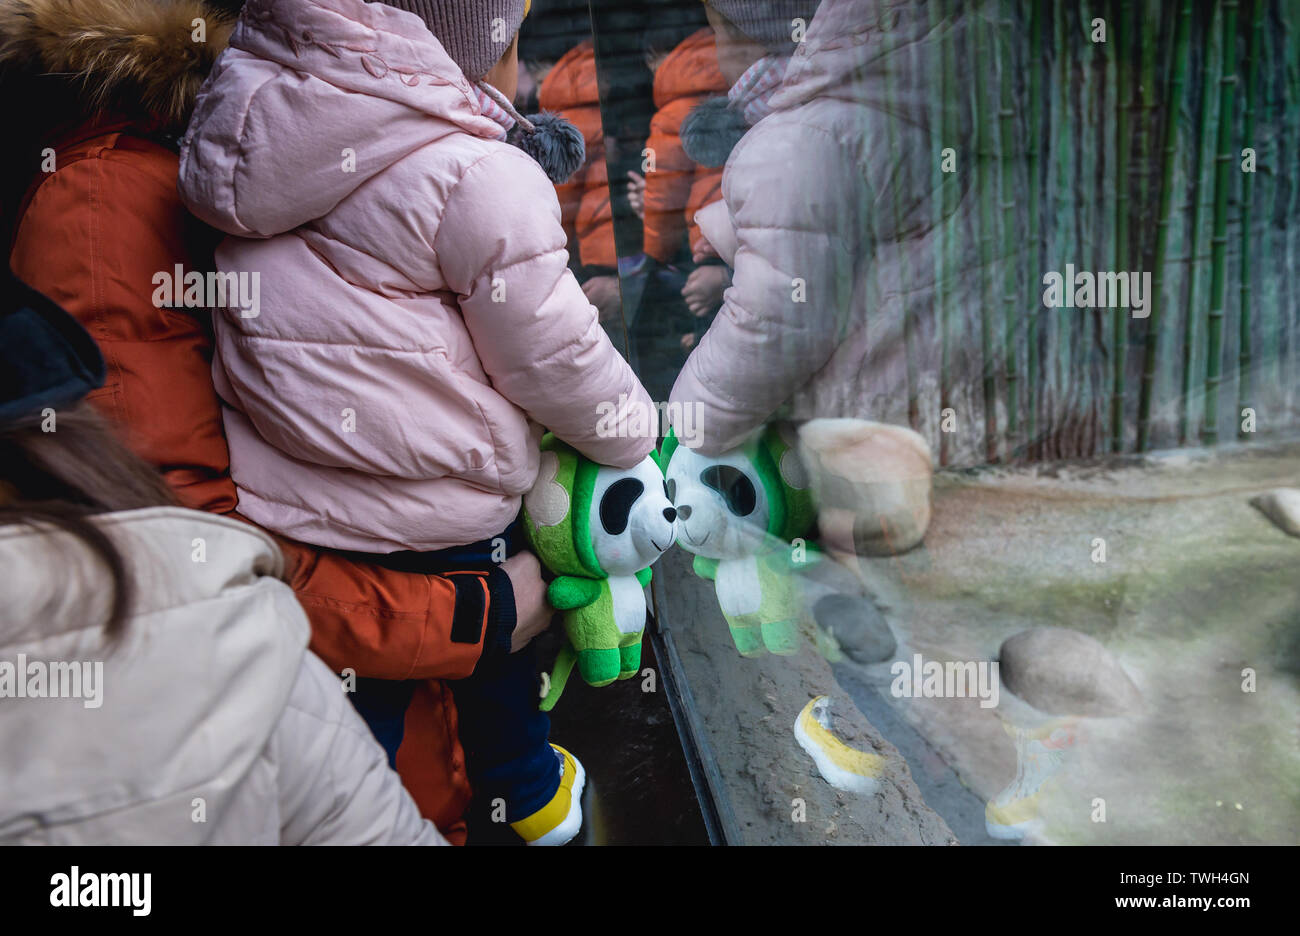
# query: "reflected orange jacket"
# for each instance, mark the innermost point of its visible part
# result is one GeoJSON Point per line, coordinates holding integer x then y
{"type": "Point", "coordinates": [570, 90]}
{"type": "Point", "coordinates": [679, 187]}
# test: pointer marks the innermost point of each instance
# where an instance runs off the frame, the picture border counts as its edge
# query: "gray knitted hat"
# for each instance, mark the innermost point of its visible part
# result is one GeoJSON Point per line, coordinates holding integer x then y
{"type": "Point", "coordinates": [465, 28]}
{"type": "Point", "coordinates": [770, 22]}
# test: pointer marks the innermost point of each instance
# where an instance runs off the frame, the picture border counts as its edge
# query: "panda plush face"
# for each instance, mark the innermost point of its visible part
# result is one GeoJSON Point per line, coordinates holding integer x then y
{"type": "Point", "coordinates": [632, 521]}
{"type": "Point", "coordinates": [722, 506]}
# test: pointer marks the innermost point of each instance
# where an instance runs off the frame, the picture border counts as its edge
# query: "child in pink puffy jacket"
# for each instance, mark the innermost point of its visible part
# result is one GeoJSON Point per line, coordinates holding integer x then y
{"type": "Point", "coordinates": [407, 324]}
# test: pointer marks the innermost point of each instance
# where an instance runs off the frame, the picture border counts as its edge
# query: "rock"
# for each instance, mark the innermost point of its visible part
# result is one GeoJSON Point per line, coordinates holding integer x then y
{"type": "Point", "coordinates": [858, 626]}
{"type": "Point", "coordinates": [872, 484]}
{"type": "Point", "coordinates": [1282, 507]}
{"type": "Point", "coordinates": [1063, 672]}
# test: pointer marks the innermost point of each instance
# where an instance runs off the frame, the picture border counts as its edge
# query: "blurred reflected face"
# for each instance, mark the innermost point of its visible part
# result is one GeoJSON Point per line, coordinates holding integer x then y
{"type": "Point", "coordinates": [721, 505]}
{"type": "Point", "coordinates": [504, 75]}
{"type": "Point", "coordinates": [736, 51]}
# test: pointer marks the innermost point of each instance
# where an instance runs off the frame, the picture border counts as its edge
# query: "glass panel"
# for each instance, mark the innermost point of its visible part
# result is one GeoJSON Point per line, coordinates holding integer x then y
{"type": "Point", "coordinates": [974, 455]}
{"type": "Point", "coordinates": [639, 790]}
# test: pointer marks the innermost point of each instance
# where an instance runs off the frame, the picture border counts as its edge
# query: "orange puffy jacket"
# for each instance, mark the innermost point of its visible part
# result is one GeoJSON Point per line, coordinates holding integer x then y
{"type": "Point", "coordinates": [570, 90]}
{"type": "Point", "coordinates": [679, 187]}
{"type": "Point", "coordinates": [91, 235]}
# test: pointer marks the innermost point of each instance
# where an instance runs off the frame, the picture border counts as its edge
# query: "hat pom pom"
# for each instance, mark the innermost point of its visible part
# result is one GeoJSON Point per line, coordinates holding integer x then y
{"type": "Point", "coordinates": [555, 144]}
{"type": "Point", "coordinates": [711, 130]}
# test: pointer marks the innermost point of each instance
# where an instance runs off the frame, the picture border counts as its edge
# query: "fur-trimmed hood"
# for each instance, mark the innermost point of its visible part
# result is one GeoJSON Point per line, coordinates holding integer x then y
{"type": "Point", "coordinates": [130, 55]}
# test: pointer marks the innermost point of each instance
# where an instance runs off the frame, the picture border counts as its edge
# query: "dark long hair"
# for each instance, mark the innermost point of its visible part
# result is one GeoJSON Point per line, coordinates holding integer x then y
{"type": "Point", "coordinates": [64, 474]}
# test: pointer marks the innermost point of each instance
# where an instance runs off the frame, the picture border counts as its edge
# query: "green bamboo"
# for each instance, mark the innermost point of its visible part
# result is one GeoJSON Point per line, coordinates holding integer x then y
{"type": "Point", "coordinates": [1119, 325]}
{"type": "Point", "coordinates": [909, 350]}
{"type": "Point", "coordinates": [1065, 209]}
{"type": "Point", "coordinates": [1290, 17]}
{"type": "Point", "coordinates": [1268, 322]}
{"type": "Point", "coordinates": [943, 184]}
{"type": "Point", "coordinates": [1036, 29]}
{"type": "Point", "coordinates": [1173, 104]}
{"type": "Point", "coordinates": [1149, 40]}
{"type": "Point", "coordinates": [1011, 280]}
{"type": "Point", "coordinates": [980, 61]}
{"type": "Point", "coordinates": [1087, 109]}
{"type": "Point", "coordinates": [1223, 164]}
{"type": "Point", "coordinates": [1098, 94]}
{"type": "Point", "coordinates": [1194, 238]}
{"type": "Point", "coordinates": [1247, 191]}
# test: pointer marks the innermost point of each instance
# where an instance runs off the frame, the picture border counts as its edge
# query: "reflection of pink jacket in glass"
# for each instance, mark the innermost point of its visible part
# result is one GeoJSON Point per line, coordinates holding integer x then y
{"type": "Point", "coordinates": [417, 322]}
{"type": "Point", "coordinates": [827, 221]}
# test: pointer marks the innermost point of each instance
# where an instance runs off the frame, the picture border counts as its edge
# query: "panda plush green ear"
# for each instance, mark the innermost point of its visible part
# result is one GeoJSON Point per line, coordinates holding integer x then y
{"type": "Point", "coordinates": [787, 482]}
{"type": "Point", "coordinates": [556, 510]}
{"type": "Point", "coordinates": [665, 452]}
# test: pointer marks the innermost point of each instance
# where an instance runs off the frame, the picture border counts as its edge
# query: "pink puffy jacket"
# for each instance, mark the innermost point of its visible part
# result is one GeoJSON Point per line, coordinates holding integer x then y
{"type": "Point", "coordinates": [829, 223]}
{"type": "Point", "coordinates": [417, 324]}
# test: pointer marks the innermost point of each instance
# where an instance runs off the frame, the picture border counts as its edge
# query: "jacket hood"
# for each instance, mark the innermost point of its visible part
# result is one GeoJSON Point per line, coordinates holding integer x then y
{"type": "Point", "coordinates": [312, 99]}
{"type": "Point", "coordinates": [858, 51]}
{"type": "Point", "coordinates": [689, 71]}
{"type": "Point", "coordinates": [123, 54]}
{"type": "Point", "coordinates": [874, 55]}
{"type": "Point", "coordinates": [572, 82]}
{"type": "Point", "coordinates": [189, 694]}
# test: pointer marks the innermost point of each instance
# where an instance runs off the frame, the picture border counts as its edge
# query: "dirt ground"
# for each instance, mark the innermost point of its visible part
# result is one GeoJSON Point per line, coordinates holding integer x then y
{"type": "Point", "coordinates": [1196, 587]}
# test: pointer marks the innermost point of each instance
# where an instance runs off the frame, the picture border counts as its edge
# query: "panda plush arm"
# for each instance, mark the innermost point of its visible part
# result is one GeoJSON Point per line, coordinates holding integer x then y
{"type": "Point", "coordinates": [705, 567]}
{"type": "Point", "coordinates": [567, 592]}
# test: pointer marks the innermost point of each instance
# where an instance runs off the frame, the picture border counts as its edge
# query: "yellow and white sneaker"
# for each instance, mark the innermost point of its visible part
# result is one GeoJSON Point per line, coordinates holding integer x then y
{"type": "Point", "coordinates": [843, 767]}
{"type": "Point", "coordinates": [558, 821]}
{"type": "Point", "coordinates": [1016, 811]}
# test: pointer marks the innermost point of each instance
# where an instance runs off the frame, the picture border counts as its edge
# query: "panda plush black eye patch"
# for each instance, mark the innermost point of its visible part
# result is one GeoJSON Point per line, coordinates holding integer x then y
{"type": "Point", "coordinates": [670, 489]}
{"type": "Point", "coordinates": [736, 489]}
{"type": "Point", "coordinates": [616, 504]}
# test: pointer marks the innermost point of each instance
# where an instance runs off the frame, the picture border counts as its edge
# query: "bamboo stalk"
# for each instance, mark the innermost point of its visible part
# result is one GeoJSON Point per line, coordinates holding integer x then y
{"type": "Point", "coordinates": [1149, 40]}
{"type": "Point", "coordinates": [1247, 192]}
{"type": "Point", "coordinates": [1194, 238]}
{"type": "Point", "coordinates": [1036, 29]}
{"type": "Point", "coordinates": [1173, 100]}
{"type": "Point", "coordinates": [1096, 105]}
{"type": "Point", "coordinates": [1291, 304]}
{"type": "Point", "coordinates": [1119, 326]}
{"type": "Point", "coordinates": [1011, 290]}
{"type": "Point", "coordinates": [986, 190]}
{"type": "Point", "coordinates": [940, 85]}
{"type": "Point", "coordinates": [1223, 161]}
{"type": "Point", "coordinates": [909, 340]}
{"type": "Point", "coordinates": [1268, 322]}
{"type": "Point", "coordinates": [1065, 214]}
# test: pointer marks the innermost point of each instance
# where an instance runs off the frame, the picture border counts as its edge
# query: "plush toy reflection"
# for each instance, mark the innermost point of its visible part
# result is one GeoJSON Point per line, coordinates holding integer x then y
{"type": "Point", "coordinates": [598, 529]}
{"type": "Point", "coordinates": [738, 513]}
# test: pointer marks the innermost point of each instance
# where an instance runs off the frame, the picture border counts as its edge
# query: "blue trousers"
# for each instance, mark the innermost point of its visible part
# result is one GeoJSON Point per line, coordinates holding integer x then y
{"type": "Point", "coordinates": [505, 738]}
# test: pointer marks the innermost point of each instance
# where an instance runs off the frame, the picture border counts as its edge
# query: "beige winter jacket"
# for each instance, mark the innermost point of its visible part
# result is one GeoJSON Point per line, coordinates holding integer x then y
{"type": "Point", "coordinates": [208, 723]}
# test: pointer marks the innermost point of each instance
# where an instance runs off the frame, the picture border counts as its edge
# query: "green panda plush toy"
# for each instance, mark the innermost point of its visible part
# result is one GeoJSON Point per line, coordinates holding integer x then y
{"type": "Point", "coordinates": [738, 513]}
{"type": "Point", "coordinates": [598, 530]}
